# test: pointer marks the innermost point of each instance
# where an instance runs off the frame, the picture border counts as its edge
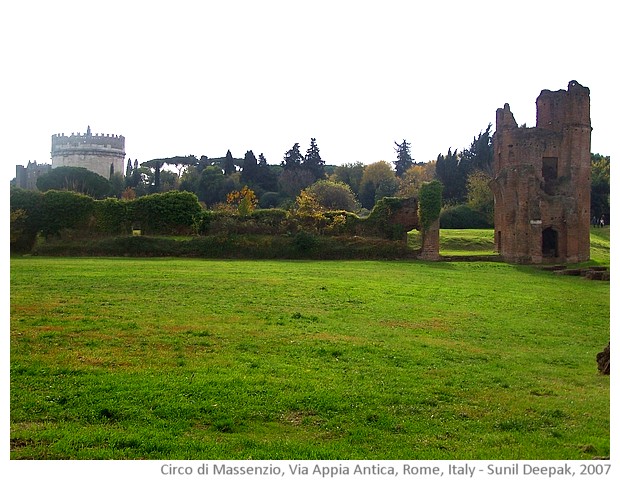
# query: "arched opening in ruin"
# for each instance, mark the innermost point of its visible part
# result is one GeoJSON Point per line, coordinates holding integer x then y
{"type": "Point", "coordinates": [549, 242]}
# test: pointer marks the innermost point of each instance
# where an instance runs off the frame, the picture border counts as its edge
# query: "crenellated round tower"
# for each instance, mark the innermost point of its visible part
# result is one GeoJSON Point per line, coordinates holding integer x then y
{"type": "Point", "coordinates": [103, 154]}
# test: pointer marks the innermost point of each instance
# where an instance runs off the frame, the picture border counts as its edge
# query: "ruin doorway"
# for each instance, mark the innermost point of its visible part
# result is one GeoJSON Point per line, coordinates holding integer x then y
{"type": "Point", "coordinates": [549, 242]}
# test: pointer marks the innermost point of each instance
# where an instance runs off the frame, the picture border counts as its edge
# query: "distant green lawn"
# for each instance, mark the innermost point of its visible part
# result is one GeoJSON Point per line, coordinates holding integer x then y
{"type": "Point", "coordinates": [198, 359]}
{"type": "Point", "coordinates": [455, 242]}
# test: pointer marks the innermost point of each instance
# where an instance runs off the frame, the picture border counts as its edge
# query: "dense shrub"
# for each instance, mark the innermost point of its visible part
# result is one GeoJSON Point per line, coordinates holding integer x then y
{"type": "Point", "coordinates": [171, 212]}
{"type": "Point", "coordinates": [112, 216]}
{"type": "Point", "coordinates": [261, 222]}
{"type": "Point", "coordinates": [462, 216]}
{"type": "Point", "coordinates": [269, 200]}
{"type": "Point", "coordinates": [63, 210]}
{"type": "Point", "coordinates": [26, 219]}
{"type": "Point", "coordinates": [303, 245]}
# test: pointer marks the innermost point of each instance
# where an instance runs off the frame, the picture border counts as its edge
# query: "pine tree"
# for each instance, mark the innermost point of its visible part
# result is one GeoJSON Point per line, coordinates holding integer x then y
{"type": "Point", "coordinates": [229, 164]}
{"type": "Point", "coordinates": [479, 156]}
{"type": "Point", "coordinates": [266, 178]}
{"type": "Point", "coordinates": [249, 174]}
{"type": "Point", "coordinates": [403, 154]}
{"type": "Point", "coordinates": [292, 158]}
{"type": "Point", "coordinates": [313, 161]}
{"type": "Point", "coordinates": [129, 169]}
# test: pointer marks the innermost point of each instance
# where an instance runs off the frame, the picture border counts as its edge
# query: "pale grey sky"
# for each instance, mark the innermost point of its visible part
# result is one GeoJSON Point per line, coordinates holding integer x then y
{"type": "Point", "coordinates": [202, 77]}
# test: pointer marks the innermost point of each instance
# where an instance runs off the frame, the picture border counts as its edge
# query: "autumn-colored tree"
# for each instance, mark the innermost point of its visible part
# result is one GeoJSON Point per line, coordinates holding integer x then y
{"type": "Point", "coordinates": [243, 200]}
{"type": "Point", "coordinates": [307, 203]}
{"type": "Point", "coordinates": [128, 194]}
{"type": "Point", "coordinates": [414, 177]}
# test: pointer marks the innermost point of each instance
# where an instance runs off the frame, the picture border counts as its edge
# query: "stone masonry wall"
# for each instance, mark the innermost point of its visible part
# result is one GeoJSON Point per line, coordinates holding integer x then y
{"type": "Point", "coordinates": [541, 180]}
{"type": "Point", "coordinates": [97, 153]}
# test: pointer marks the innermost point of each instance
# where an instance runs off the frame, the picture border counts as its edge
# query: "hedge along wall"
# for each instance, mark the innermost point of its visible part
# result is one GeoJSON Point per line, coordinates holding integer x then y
{"type": "Point", "coordinates": [52, 211]}
{"type": "Point", "coordinates": [160, 213]}
{"type": "Point", "coordinates": [112, 216]}
{"type": "Point", "coordinates": [180, 213]}
{"type": "Point", "coordinates": [165, 213]}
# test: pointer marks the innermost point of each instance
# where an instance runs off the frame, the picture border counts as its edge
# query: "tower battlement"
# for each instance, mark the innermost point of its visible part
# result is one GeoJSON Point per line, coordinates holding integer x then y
{"type": "Point", "coordinates": [60, 141]}
{"type": "Point", "coordinates": [556, 110]}
{"type": "Point", "coordinates": [101, 153]}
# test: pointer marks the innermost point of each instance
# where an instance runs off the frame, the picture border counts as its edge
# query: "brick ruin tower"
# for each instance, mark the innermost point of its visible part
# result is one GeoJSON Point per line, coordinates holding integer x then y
{"type": "Point", "coordinates": [541, 180]}
{"type": "Point", "coordinates": [102, 154]}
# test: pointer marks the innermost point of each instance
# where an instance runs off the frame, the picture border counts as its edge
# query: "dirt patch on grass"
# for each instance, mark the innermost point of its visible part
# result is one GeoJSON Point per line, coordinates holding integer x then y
{"type": "Point", "coordinates": [301, 417]}
{"type": "Point", "coordinates": [431, 324]}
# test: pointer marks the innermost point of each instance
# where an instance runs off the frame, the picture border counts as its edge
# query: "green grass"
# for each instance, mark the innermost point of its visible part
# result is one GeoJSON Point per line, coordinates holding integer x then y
{"type": "Point", "coordinates": [466, 242]}
{"type": "Point", "coordinates": [198, 359]}
{"type": "Point", "coordinates": [480, 242]}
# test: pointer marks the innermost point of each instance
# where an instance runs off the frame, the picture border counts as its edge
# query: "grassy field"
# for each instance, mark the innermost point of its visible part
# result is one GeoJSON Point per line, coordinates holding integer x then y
{"type": "Point", "coordinates": [198, 359]}
{"type": "Point", "coordinates": [455, 242]}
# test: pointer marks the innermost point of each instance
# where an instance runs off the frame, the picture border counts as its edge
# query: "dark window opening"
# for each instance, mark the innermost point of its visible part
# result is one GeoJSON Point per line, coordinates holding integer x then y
{"type": "Point", "coordinates": [550, 174]}
{"type": "Point", "coordinates": [549, 242]}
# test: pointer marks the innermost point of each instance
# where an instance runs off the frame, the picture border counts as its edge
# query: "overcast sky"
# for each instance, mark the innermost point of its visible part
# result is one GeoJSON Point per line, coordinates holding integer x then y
{"type": "Point", "coordinates": [202, 77]}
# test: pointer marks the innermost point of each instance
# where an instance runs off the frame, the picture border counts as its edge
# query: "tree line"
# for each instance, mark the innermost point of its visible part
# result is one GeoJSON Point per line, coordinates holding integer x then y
{"type": "Point", "coordinates": [356, 187]}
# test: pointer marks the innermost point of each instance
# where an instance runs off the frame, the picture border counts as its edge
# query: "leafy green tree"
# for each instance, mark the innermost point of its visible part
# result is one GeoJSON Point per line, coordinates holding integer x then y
{"type": "Point", "coordinates": [211, 185]}
{"type": "Point", "coordinates": [378, 181]}
{"type": "Point", "coordinates": [293, 180]}
{"type": "Point", "coordinates": [76, 179]}
{"type": "Point", "coordinates": [349, 173]}
{"type": "Point", "coordinates": [403, 158]}
{"type": "Point", "coordinates": [190, 179]}
{"type": "Point", "coordinates": [479, 194]}
{"type": "Point", "coordinates": [600, 186]}
{"type": "Point", "coordinates": [333, 195]}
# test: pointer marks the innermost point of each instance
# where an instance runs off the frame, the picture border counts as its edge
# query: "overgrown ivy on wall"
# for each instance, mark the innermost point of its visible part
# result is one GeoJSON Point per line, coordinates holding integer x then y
{"type": "Point", "coordinates": [429, 203]}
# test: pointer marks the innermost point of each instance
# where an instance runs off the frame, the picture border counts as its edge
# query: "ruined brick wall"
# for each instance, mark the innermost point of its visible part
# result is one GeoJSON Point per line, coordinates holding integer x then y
{"type": "Point", "coordinates": [430, 243]}
{"type": "Point", "coordinates": [541, 180]}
